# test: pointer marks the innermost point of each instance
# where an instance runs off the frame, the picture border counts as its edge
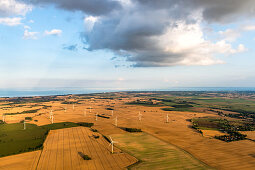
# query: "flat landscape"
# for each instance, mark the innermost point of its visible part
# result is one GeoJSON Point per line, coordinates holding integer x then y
{"type": "Point", "coordinates": [158, 130]}
{"type": "Point", "coordinates": [61, 148]}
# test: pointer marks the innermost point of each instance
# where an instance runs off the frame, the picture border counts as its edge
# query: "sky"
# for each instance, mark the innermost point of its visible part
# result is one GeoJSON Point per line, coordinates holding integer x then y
{"type": "Point", "coordinates": [127, 44]}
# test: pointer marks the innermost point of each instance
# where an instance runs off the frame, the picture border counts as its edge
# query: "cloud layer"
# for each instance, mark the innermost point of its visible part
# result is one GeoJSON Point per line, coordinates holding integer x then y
{"type": "Point", "coordinates": [159, 32]}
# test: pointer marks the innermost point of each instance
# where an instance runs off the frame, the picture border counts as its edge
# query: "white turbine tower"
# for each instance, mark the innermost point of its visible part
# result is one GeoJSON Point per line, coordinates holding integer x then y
{"type": "Point", "coordinates": [90, 109]}
{"type": "Point", "coordinates": [3, 118]}
{"type": "Point", "coordinates": [65, 109]}
{"type": "Point", "coordinates": [96, 116]}
{"type": "Point", "coordinates": [50, 113]}
{"type": "Point", "coordinates": [116, 121]}
{"type": "Point", "coordinates": [112, 112]}
{"type": "Point", "coordinates": [112, 143]}
{"type": "Point", "coordinates": [73, 106]}
{"type": "Point", "coordinates": [24, 124]}
{"type": "Point", "coordinates": [140, 116]}
{"type": "Point", "coordinates": [167, 118]}
{"type": "Point", "coordinates": [52, 118]}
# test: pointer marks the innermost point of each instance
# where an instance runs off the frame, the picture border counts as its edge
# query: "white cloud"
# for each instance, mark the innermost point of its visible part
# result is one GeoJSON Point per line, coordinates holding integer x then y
{"type": "Point", "coordinates": [230, 35]}
{"type": "Point", "coordinates": [53, 32]}
{"type": "Point", "coordinates": [249, 28]}
{"type": "Point", "coordinates": [241, 48]}
{"type": "Point", "coordinates": [27, 27]}
{"type": "Point", "coordinates": [89, 22]}
{"type": "Point", "coordinates": [13, 7]}
{"type": "Point", "coordinates": [30, 35]}
{"type": "Point", "coordinates": [11, 21]}
{"type": "Point", "coordinates": [188, 42]}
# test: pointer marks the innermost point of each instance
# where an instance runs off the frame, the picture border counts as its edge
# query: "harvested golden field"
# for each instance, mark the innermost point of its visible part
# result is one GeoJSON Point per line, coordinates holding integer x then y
{"type": "Point", "coordinates": [250, 134]}
{"type": "Point", "coordinates": [62, 146]}
{"type": "Point", "coordinates": [26, 161]}
{"type": "Point", "coordinates": [212, 133]}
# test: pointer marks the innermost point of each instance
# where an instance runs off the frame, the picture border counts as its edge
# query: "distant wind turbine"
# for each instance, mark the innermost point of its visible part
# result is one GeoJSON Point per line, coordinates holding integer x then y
{"type": "Point", "coordinates": [112, 112]}
{"type": "Point", "coordinates": [112, 143]}
{"type": "Point", "coordinates": [90, 109]}
{"type": "Point", "coordinates": [140, 116]}
{"type": "Point", "coordinates": [96, 116]}
{"type": "Point", "coordinates": [50, 113]}
{"type": "Point", "coordinates": [24, 124]}
{"type": "Point", "coordinates": [52, 118]}
{"type": "Point", "coordinates": [3, 117]}
{"type": "Point", "coordinates": [167, 117]}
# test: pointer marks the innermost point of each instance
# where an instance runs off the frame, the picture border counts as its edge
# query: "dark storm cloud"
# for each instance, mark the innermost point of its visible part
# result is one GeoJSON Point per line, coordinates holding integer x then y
{"type": "Point", "coordinates": [134, 30]}
{"type": "Point", "coordinates": [92, 7]}
{"type": "Point", "coordinates": [213, 10]}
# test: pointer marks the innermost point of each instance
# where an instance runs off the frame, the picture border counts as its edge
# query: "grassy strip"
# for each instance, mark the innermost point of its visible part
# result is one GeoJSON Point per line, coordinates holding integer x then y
{"type": "Point", "coordinates": [106, 117]}
{"type": "Point", "coordinates": [178, 109]}
{"type": "Point", "coordinates": [131, 129]}
{"type": "Point", "coordinates": [143, 103]}
{"type": "Point", "coordinates": [24, 112]}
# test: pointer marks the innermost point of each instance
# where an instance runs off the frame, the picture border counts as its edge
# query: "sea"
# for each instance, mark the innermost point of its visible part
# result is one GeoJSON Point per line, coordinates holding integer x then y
{"type": "Point", "coordinates": [49, 92]}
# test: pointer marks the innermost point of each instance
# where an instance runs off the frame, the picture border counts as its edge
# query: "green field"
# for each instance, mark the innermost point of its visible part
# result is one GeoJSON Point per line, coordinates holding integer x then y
{"type": "Point", "coordinates": [156, 154]}
{"type": "Point", "coordinates": [14, 139]}
{"type": "Point", "coordinates": [243, 108]}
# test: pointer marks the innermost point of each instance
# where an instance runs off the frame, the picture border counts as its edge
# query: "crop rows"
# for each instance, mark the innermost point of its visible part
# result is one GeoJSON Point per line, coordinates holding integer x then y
{"type": "Point", "coordinates": [62, 146]}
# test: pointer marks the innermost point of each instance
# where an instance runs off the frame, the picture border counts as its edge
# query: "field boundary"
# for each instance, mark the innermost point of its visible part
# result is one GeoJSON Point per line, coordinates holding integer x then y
{"type": "Point", "coordinates": [202, 162]}
{"type": "Point", "coordinates": [138, 161]}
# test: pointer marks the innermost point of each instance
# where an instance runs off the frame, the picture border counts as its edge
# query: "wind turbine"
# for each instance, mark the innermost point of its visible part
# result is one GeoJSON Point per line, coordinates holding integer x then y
{"type": "Point", "coordinates": [24, 124]}
{"type": "Point", "coordinates": [96, 116]}
{"type": "Point", "coordinates": [140, 116]}
{"type": "Point", "coordinates": [167, 117]}
{"type": "Point", "coordinates": [112, 112]}
{"type": "Point", "coordinates": [112, 142]}
{"type": "Point", "coordinates": [52, 118]}
{"type": "Point", "coordinates": [116, 121]}
{"type": "Point", "coordinates": [3, 118]}
{"type": "Point", "coordinates": [73, 106]}
{"type": "Point", "coordinates": [90, 109]}
{"type": "Point", "coordinates": [50, 113]}
{"type": "Point", "coordinates": [65, 109]}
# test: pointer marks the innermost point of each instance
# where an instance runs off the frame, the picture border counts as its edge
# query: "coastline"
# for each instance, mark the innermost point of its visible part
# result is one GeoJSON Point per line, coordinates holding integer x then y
{"type": "Point", "coordinates": [10, 93]}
